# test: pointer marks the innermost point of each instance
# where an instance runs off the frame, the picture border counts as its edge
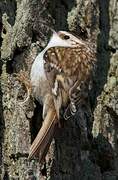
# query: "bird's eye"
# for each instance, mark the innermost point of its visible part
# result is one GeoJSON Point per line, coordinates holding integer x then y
{"type": "Point", "coordinates": [66, 37]}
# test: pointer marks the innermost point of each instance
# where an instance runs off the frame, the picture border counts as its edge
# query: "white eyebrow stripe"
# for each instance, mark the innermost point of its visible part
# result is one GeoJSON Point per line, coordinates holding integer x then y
{"type": "Point", "coordinates": [77, 40]}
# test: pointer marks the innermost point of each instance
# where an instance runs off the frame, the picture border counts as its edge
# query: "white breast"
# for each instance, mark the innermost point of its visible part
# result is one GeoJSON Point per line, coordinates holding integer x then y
{"type": "Point", "coordinates": [39, 81]}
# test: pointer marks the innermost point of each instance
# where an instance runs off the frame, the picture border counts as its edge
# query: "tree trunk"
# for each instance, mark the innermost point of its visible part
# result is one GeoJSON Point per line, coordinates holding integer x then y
{"type": "Point", "coordinates": [86, 147]}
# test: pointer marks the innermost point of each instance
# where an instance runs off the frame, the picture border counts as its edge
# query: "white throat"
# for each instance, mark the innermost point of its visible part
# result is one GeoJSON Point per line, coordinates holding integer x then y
{"type": "Point", "coordinates": [37, 70]}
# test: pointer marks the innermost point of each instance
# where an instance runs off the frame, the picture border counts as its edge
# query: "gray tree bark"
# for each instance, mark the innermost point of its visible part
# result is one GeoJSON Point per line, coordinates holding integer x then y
{"type": "Point", "coordinates": [86, 147]}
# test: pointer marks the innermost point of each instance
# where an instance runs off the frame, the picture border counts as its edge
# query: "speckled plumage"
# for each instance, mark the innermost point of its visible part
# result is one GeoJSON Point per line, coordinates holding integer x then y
{"type": "Point", "coordinates": [69, 67]}
{"type": "Point", "coordinates": [60, 77]}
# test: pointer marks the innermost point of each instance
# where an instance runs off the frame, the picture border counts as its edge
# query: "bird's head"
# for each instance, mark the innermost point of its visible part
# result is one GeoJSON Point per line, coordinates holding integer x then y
{"type": "Point", "coordinates": [64, 39]}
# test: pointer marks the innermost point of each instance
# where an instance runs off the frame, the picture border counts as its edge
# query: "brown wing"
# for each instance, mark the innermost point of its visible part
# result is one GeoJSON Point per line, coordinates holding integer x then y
{"type": "Point", "coordinates": [69, 72]}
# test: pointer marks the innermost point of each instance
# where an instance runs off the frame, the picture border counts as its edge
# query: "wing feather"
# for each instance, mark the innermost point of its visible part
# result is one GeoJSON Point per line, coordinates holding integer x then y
{"type": "Point", "coordinates": [69, 71]}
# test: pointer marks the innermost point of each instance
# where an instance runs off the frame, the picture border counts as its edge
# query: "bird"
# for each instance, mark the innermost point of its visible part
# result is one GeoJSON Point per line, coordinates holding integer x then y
{"type": "Point", "coordinates": [60, 77]}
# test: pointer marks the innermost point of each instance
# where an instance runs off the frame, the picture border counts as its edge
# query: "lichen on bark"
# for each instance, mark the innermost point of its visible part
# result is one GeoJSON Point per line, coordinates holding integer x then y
{"type": "Point", "coordinates": [25, 30]}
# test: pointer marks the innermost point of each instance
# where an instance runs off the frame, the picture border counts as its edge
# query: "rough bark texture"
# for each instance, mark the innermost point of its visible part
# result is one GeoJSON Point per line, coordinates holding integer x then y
{"type": "Point", "coordinates": [75, 153]}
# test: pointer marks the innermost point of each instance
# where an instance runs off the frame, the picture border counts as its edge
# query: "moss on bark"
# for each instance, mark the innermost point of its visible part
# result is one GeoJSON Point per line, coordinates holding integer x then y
{"type": "Point", "coordinates": [75, 154]}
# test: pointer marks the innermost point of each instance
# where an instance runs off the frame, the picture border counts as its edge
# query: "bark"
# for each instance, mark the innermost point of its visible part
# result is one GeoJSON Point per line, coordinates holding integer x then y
{"type": "Point", "coordinates": [86, 146]}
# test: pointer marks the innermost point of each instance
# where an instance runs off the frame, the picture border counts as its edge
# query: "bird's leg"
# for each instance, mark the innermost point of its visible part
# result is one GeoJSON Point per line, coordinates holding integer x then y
{"type": "Point", "coordinates": [78, 95]}
{"type": "Point", "coordinates": [79, 92]}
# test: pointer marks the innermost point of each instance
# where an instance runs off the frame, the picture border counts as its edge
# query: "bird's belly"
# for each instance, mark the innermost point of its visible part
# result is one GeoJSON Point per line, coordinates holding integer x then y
{"type": "Point", "coordinates": [40, 89]}
{"type": "Point", "coordinates": [40, 85]}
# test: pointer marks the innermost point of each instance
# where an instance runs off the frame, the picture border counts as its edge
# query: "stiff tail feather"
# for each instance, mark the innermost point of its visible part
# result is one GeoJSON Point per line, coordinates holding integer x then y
{"type": "Point", "coordinates": [44, 137]}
